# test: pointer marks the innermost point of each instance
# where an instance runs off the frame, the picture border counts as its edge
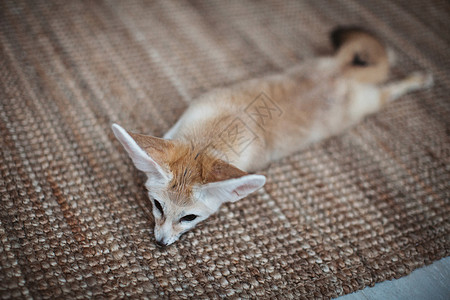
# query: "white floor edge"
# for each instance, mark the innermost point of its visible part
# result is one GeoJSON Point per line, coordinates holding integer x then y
{"type": "Point", "coordinates": [430, 282]}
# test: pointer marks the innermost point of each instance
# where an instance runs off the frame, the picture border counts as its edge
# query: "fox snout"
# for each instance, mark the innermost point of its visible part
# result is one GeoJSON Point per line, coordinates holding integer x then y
{"type": "Point", "coordinates": [160, 243]}
{"type": "Point", "coordinates": [165, 234]}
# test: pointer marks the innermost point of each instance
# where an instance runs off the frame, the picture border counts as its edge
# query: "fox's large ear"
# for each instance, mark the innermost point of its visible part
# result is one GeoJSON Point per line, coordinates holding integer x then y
{"type": "Point", "coordinates": [147, 152]}
{"type": "Point", "coordinates": [231, 190]}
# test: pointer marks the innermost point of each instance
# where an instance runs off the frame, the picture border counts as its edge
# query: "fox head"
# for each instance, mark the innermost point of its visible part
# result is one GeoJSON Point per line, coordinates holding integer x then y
{"type": "Point", "coordinates": [185, 185]}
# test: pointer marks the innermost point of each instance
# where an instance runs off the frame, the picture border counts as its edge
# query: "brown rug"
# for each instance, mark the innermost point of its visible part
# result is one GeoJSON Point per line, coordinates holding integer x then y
{"type": "Point", "coordinates": [367, 206]}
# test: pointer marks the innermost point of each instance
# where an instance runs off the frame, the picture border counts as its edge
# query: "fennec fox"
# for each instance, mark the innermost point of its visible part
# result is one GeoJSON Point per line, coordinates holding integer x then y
{"type": "Point", "coordinates": [203, 160]}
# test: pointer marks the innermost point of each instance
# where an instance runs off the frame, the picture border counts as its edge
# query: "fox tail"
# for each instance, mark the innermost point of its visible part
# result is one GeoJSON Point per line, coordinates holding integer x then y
{"type": "Point", "coordinates": [361, 56]}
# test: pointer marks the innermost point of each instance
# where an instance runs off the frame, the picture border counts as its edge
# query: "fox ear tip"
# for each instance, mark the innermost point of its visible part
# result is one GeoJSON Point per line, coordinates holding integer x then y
{"type": "Point", "coordinates": [116, 126]}
{"type": "Point", "coordinates": [260, 179]}
{"type": "Point", "coordinates": [118, 130]}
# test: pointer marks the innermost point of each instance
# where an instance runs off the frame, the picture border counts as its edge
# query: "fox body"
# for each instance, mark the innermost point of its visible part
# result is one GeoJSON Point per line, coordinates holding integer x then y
{"type": "Point", "coordinates": [203, 160]}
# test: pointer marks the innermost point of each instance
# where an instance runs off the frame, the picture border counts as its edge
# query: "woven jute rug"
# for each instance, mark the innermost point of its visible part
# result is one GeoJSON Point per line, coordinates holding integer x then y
{"type": "Point", "coordinates": [369, 205]}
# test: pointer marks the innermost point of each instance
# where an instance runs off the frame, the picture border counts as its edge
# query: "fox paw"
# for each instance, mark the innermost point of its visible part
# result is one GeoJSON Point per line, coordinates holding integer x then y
{"type": "Point", "coordinates": [424, 80]}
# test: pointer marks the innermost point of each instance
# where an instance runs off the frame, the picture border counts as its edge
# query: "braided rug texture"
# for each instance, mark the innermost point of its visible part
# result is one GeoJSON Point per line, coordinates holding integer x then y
{"type": "Point", "coordinates": [369, 205]}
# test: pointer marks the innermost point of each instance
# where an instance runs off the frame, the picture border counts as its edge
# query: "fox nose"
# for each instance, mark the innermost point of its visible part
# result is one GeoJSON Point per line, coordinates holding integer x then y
{"type": "Point", "coordinates": [161, 243]}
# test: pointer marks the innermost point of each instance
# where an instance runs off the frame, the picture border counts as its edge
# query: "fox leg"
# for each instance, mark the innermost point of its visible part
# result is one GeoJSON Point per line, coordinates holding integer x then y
{"type": "Point", "coordinates": [413, 82]}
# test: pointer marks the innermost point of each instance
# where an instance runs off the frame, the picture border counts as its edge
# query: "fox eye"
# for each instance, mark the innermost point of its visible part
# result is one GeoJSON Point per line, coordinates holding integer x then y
{"type": "Point", "coordinates": [159, 207]}
{"type": "Point", "coordinates": [188, 218]}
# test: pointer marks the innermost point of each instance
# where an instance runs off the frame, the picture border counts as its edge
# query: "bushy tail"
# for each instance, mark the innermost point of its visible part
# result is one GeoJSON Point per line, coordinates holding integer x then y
{"type": "Point", "coordinates": [361, 55]}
